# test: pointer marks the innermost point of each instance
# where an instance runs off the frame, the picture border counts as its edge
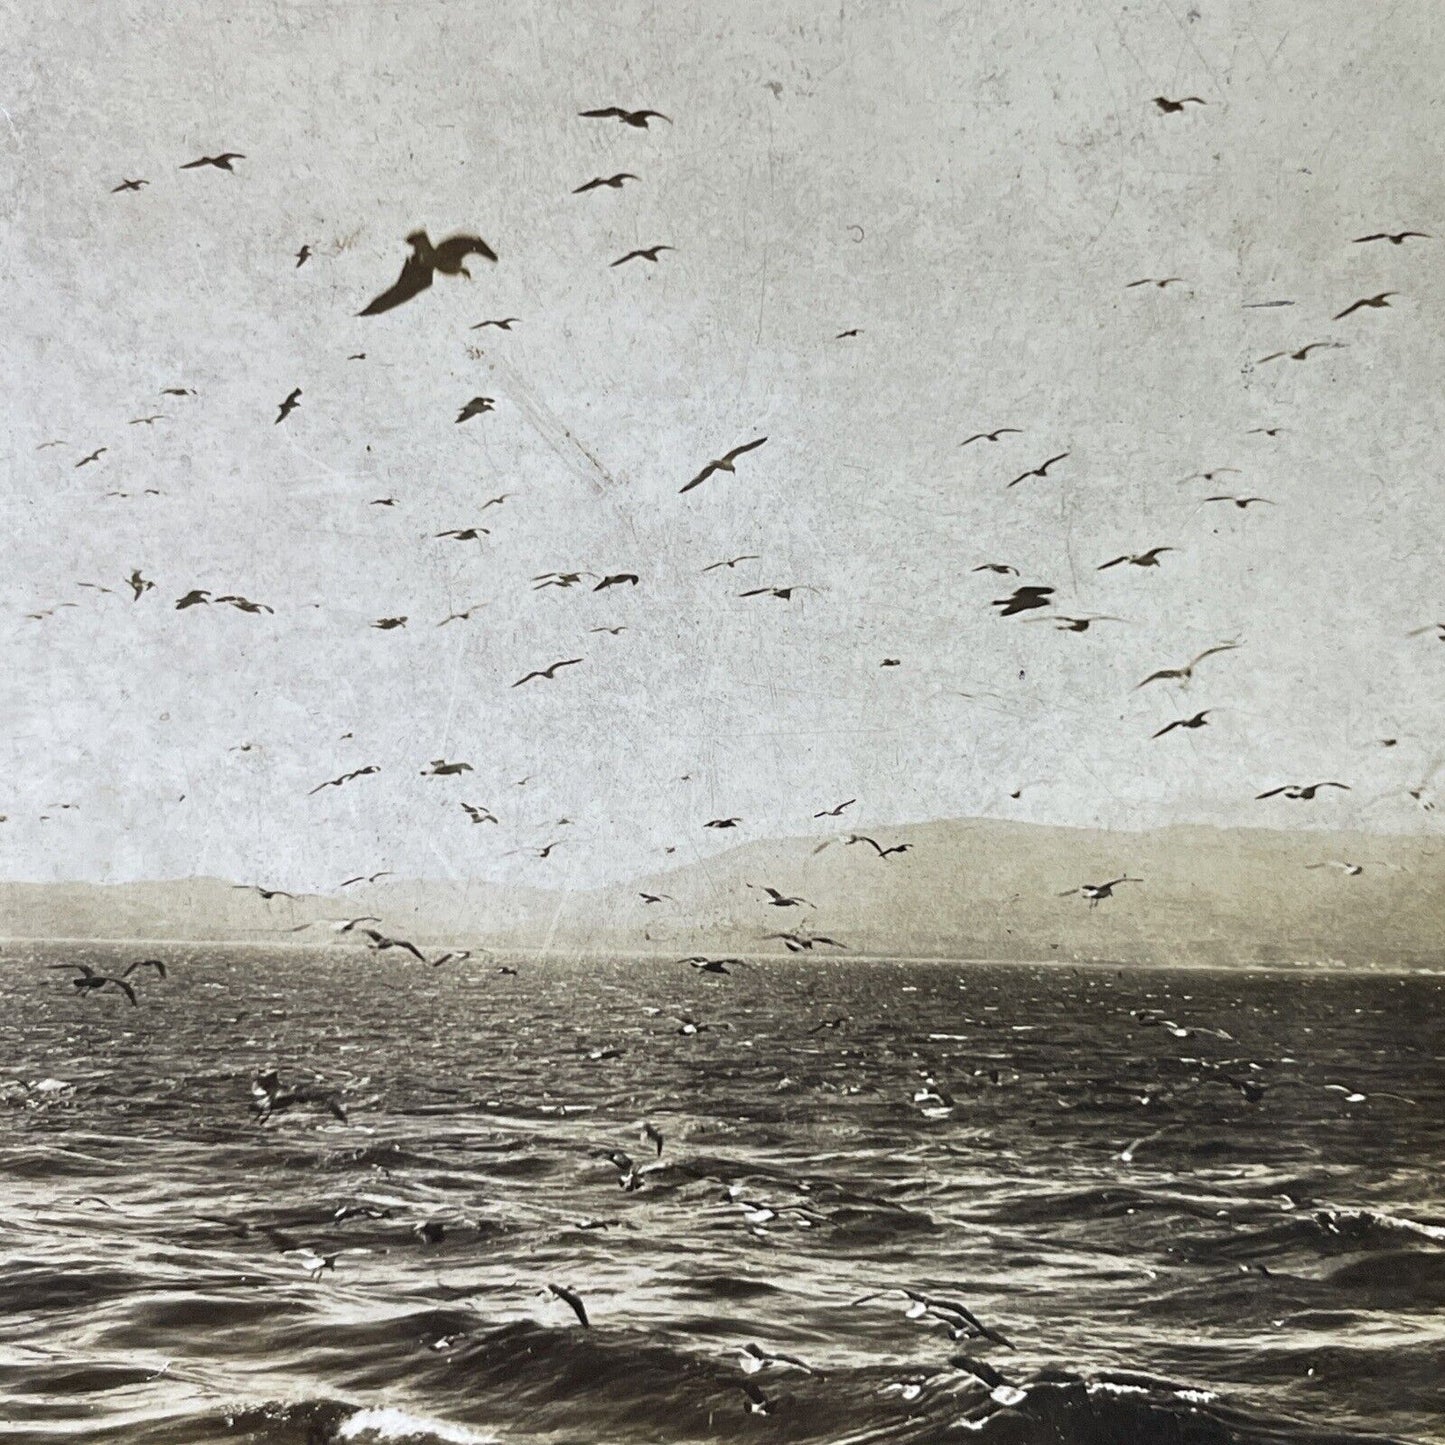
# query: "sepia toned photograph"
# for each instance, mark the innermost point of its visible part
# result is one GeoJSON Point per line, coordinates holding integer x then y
{"type": "Point", "coordinates": [723, 723]}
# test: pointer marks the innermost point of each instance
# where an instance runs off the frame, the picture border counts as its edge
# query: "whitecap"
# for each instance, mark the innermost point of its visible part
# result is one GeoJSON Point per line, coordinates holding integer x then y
{"type": "Point", "coordinates": [390, 1424]}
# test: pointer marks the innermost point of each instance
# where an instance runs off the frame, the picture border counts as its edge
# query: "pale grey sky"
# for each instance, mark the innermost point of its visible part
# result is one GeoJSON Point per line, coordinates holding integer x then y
{"type": "Point", "coordinates": [971, 186]}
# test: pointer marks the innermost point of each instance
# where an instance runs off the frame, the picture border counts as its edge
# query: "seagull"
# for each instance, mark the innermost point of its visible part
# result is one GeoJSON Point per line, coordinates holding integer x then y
{"type": "Point", "coordinates": [95, 456]}
{"type": "Point", "coordinates": [1242, 502]}
{"type": "Point", "coordinates": [991, 436]}
{"type": "Point", "coordinates": [805, 943]}
{"type": "Point", "coordinates": [1161, 282]}
{"type": "Point", "coordinates": [477, 406]}
{"type": "Point", "coordinates": [1199, 720]}
{"type": "Point", "coordinates": [709, 965]}
{"type": "Point", "coordinates": [643, 253]}
{"type": "Point", "coordinates": [288, 406]}
{"type": "Point", "coordinates": [1097, 892]}
{"type": "Point", "coordinates": [572, 1300]}
{"type": "Point", "coordinates": [1351, 870]}
{"type": "Point", "coordinates": [558, 579]}
{"type": "Point", "coordinates": [636, 118]}
{"type": "Point", "coordinates": [1171, 107]}
{"type": "Point", "coordinates": [303, 256]}
{"type": "Point", "coordinates": [1303, 353]}
{"type": "Point", "coordinates": [1137, 559]}
{"type": "Point", "coordinates": [782, 900]}
{"type": "Point", "coordinates": [267, 893]}
{"type": "Point", "coordinates": [382, 943]}
{"type": "Point", "coordinates": [617, 579]}
{"type": "Point", "coordinates": [851, 331]}
{"type": "Point", "coordinates": [504, 324]}
{"type": "Point", "coordinates": [244, 604]}
{"type": "Point", "coordinates": [1038, 471]}
{"type": "Point", "coordinates": [548, 672]}
{"type": "Point", "coordinates": [479, 814]}
{"type": "Point", "coordinates": [877, 847]}
{"type": "Point", "coordinates": [440, 768]}
{"type": "Point", "coordinates": [616, 182]}
{"type": "Point", "coordinates": [784, 594]}
{"type": "Point", "coordinates": [465, 534]}
{"type": "Point", "coordinates": [754, 1358]}
{"type": "Point", "coordinates": [1393, 237]}
{"type": "Point", "coordinates": [389, 624]}
{"type": "Point", "coordinates": [836, 812]}
{"type": "Point", "coordinates": [138, 584]}
{"type": "Point", "coordinates": [495, 501]}
{"type": "Point", "coordinates": [461, 616]}
{"type": "Point", "coordinates": [128, 186]}
{"type": "Point", "coordinates": [1183, 674]}
{"type": "Point", "coordinates": [140, 963]}
{"type": "Point", "coordinates": [221, 162]}
{"type": "Point", "coordinates": [1075, 624]}
{"type": "Point", "coordinates": [657, 897]}
{"type": "Point", "coordinates": [89, 981]}
{"type": "Point", "coordinates": [268, 1097]}
{"type": "Point", "coordinates": [1001, 568]}
{"type": "Point", "coordinates": [722, 823]}
{"type": "Point", "coordinates": [690, 1026]}
{"type": "Point", "coordinates": [366, 878]}
{"type": "Point", "coordinates": [382, 502]}
{"type": "Point", "coordinates": [196, 597]}
{"type": "Point", "coordinates": [732, 562]}
{"type": "Point", "coordinates": [1378, 302]}
{"type": "Point", "coordinates": [725, 463]}
{"type": "Point", "coordinates": [448, 256]}
{"type": "Point", "coordinates": [1298, 792]}
{"type": "Point", "coordinates": [967, 1323]}
{"type": "Point", "coordinates": [611, 631]}
{"type": "Point", "coordinates": [1024, 599]}
{"type": "Point", "coordinates": [459, 956]}
{"type": "Point", "coordinates": [1354, 1096]}
{"type": "Point", "coordinates": [345, 778]}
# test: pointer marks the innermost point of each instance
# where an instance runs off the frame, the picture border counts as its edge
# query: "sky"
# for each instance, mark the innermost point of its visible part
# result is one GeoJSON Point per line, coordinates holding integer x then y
{"type": "Point", "coordinates": [971, 187]}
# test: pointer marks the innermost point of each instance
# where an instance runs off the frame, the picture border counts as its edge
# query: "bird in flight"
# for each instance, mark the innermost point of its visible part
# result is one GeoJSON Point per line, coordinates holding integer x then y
{"type": "Point", "coordinates": [782, 900]}
{"type": "Point", "coordinates": [548, 672]}
{"type": "Point", "coordinates": [95, 456]}
{"type": "Point", "coordinates": [128, 186]}
{"type": "Point", "coordinates": [1199, 720]}
{"type": "Point", "coordinates": [461, 616]}
{"type": "Point", "coordinates": [440, 768]}
{"type": "Point", "coordinates": [1136, 559]}
{"type": "Point", "coordinates": [465, 534]}
{"type": "Point", "coordinates": [1161, 282]}
{"type": "Point", "coordinates": [558, 579]}
{"type": "Point", "coordinates": [1299, 792]}
{"type": "Point", "coordinates": [709, 965]}
{"type": "Point", "coordinates": [365, 878]}
{"type": "Point", "coordinates": [875, 845]}
{"type": "Point", "coordinates": [140, 963]}
{"type": "Point", "coordinates": [805, 943]}
{"type": "Point", "coordinates": [784, 594]}
{"type": "Point", "coordinates": [1303, 353]}
{"type": "Point", "coordinates": [303, 256]}
{"type": "Point", "coordinates": [732, 562]}
{"type": "Point", "coordinates": [478, 814]}
{"type": "Point", "coordinates": [991, 436]}
{"type": "Point", "coordinates": [417, 272]}
{"type": "Point", "coordinates": [389, 624]}
{"type": "Point", "coordinates": [1172, 107]}
{"type": "Point", "coordinates": [345, 778]}
{"type": "Point", "coordinates": [1074, 624]}
{"type": "Point", "coordinates": [288, 406]}
{"type": "Point", "coordinates": [725, 463]}
{"type": "Point", "coordinates": [836, 812]}
{"type": "Point", "coordinates": [139, 585]}
{"type": "Point", "coordinates": [504, 323]}
{"type": "Point", "coordinates": [572, 1301]}
{"type": "Point", "coordinates": [477, 406]}
{"type": "Point", "coordinates": [1438, 628]}
{"type": "Point", "coordinates": [643, 253]}
{"type": "Point", "coordinates": [1038, 471]}
{"type": "Point", "coordinates": [1378, 302]}
{"type": "Point", "coordinates": [722, 823]}
{"type": "Point", "coordinates": [87, 980]}
{"type": "Point", "coordinates": [495, 501]}
{"type": "Point", "coordinates": [1097, 892]}
{"type": "Point", "coordinates": [1023, 600]}
{"type": "Point", "coordinates": [382, 943]}
{"type": "Point", "coordinates": [1242, 502]}
{"type": "Point", "coordinates": [1003, 569]}
{"type": "Point", "coordinates": [1183, 674]}
{"type": "Point", "coordinates": [616, 182]}
{"type": "Point", "coordinates": [1351, 870]}
{"type": "Point", "coordinates": [221, 162]}
{"type": "Point", "coordinates": [266, 893]}
{"type": "Point", "coordinates": [1393, 237]}
{"type": "Point", "coordinates": [147, 420]}
{"type": "Point", "coordinates": [617, 579]}
{"type": "Point", "coordinates": [244, 604]}
{"type": "Point", "coordinates": [636, 118]}
{"type": "Point", "coordinates": [851, 331]}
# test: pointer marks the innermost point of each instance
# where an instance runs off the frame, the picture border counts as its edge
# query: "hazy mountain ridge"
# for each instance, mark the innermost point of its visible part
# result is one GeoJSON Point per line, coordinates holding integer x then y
{"type": "Point", "coordinates": [964, 888]}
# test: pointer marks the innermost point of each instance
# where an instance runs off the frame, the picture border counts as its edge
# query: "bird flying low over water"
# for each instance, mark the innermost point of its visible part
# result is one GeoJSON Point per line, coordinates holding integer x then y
{"type": "Point", "coordinates": [549, 673]}
{"type": "Point", "coordinates": [643, 253]}
{"type": "Point", "coordinates": [616, 182]}
{"type": "Point", "coordinates": [221, 162]}
{"type": "Point", "coordinates": [448, 256]}
{"type": "Point", "coordinates": [1097, 892]}
{"type": "Point", "coordinates": [1298, 792]}
{"type": "Point", "coordinates": [754, 1358]}
{"type": "Point", "coordinates": [709, 965]}
{"type": "Point", "coordinates": [87, 980]}
{"type": "Point", "coordinates": [382, 943]}
{"type": "Point", "coordinates": [636, 118]}
{"type": "Point", "coordinates": [572, 1301]}
{"type": "Point", "coordinates": [1041, 470]}
{"type": "Point", "coordinates": [875, 845]}
{"type": "Point", "coordinates": [346, 778]}
{"type": "Point", "coordinates": [725, 463]}
{"type": "Point", "coordinates": [782, 900]}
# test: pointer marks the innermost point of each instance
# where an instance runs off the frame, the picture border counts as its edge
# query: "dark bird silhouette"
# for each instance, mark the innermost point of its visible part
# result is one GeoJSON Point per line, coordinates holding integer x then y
{"type": "Point", "coordinates": [1097, 892]}
{"type": "Point", "coordinates": [1136, 559]}
{"type": "Point", "coordinates": [89, 981]}
{"type": "Point", "coordinates": [128, 186]}
{"type": "Point", "coordinates": [147, 420]}
{"type": "Point", "coordinates": [141, 963]}
{"type": "Point", "coordinates": [505, 323]}
{"type": "Point", "coordinates": [548, 672]}
{"type": "Point", "coordinates": [844, 335]}
{"type": "Point", "coordinates": [558, 579]}
{"type": "Point", "coordinates": [477, 406]}
{"type": "Point", "coordinates": [1393, 237]}
{"type": "Point", "coordinates": [389, 624]}
{"type": "Point", "coordinates": [643, 253]}
{"type": "Point", "coordinates": [303, 256]}
{"type": "Point", "coordinates": [95, 456]}
{"type": "Point", "coordinates": [722, 823]}
{"type": "Point", "coordinates": [836, 812]}
{"type": "Point", "coordinates": [709, 965]}
{"type": "Point", "coordinates": [1183, 674]}
{"type": "Point", "coordinates": [461, 616]}
{"type": "Point", "coordinates": [479, 814]}
{"type": "Point", "coordinates": [616, 182]}
{"type": "Point", "coordinates": [448, 256]}
{"type": "Point", "coordinates": [1242, 502]}
{"type": "Point", "coordinates": [806, 943]}
{"type": "Point", "coordinates": [267, 893]}
{"type": "Point", "coordinates": [611, 631]}
{"type": "Point", "coordinates": [616, 579]}
{"type": "Point", "coordinates": [1024, 599]}
{"type": "Point", "coordinates": [1060, 623]}
{"type": "Point", "coordinates": [782, 900]}
{"type": "Point", "coordinates": [1001, 568]}
{"type": "Point", "coordinates": [288, 406]}
{"type": "Point", "coordinates": [1039, 471]}
{"type": "Point", "coordinates": [495, 501]}
{"type": "Point", "coordinates": [1303, 353]}
{"type": "Point", "coordinates": [991, 436]}
{"type": "Point", "coordinates": [1160, 282]}
{"type": "Point", "coordinates": [635, 118]}
{"type": "Point", "coordinates": [178, 391]}
{"type": "Point", "coordinates": [572, 1301]}
{"type": "Point", "coordinates": [195, 598]}
{"type": "Point", "coordinates": [440, 768]}
{"type": "Point", "coordinates": [725, 463]}
{"type": "Point", "coordinates": [1299, 791]}
{"type": "Point", "coordinates": [382, 943]}
{"type": "Point", "coordinates": [1199, 720]}
{"type": "Point", "coordinates": [244, 604]}
{"type": "Point", "coordinates": [365, 878]}
{"type": "Point", "coordinates": [1380, 301]}
{"type": "Point", "coordinates": [1171, 107]}
{"type": "Point", "coordinates": [268, 1097]}
{"type": "Point", "coordinates": [1438, 628]}
{"type": "Point", "coordinates": [346, 778]}
{"type": "Point", "coordinates": [465, 534]}
{"type": "Point", "coordinates": [657, 897]}
{"type": "Point", "coordinates": [732, 562]}
{"type": "Point", "coordinates": [139, 585]}
{"type": "Point", "coordinates": [221, 162]}
{"type": "Point", "coordinates": [875, 845]}
{"type": "Point", "coordinates": [783, 594]}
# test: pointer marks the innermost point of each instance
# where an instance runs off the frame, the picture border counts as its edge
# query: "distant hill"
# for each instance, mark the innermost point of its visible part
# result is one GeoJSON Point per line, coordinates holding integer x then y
{"type": "Point", "coordinates": [963, 889]}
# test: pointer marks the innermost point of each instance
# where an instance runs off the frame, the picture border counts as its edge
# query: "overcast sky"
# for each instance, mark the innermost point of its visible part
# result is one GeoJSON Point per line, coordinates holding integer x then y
{"type": "Point", "coordinates": [971, 187]}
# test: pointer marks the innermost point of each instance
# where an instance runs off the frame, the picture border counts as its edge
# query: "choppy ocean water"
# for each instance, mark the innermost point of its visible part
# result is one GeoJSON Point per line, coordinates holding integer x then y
{"type": "Point", "coordinates": [1257, 1267]}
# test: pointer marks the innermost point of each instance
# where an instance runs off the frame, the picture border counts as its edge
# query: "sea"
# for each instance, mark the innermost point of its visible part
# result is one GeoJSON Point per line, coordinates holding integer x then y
{"type": "Point", "coordinates": [1183, 1207]}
